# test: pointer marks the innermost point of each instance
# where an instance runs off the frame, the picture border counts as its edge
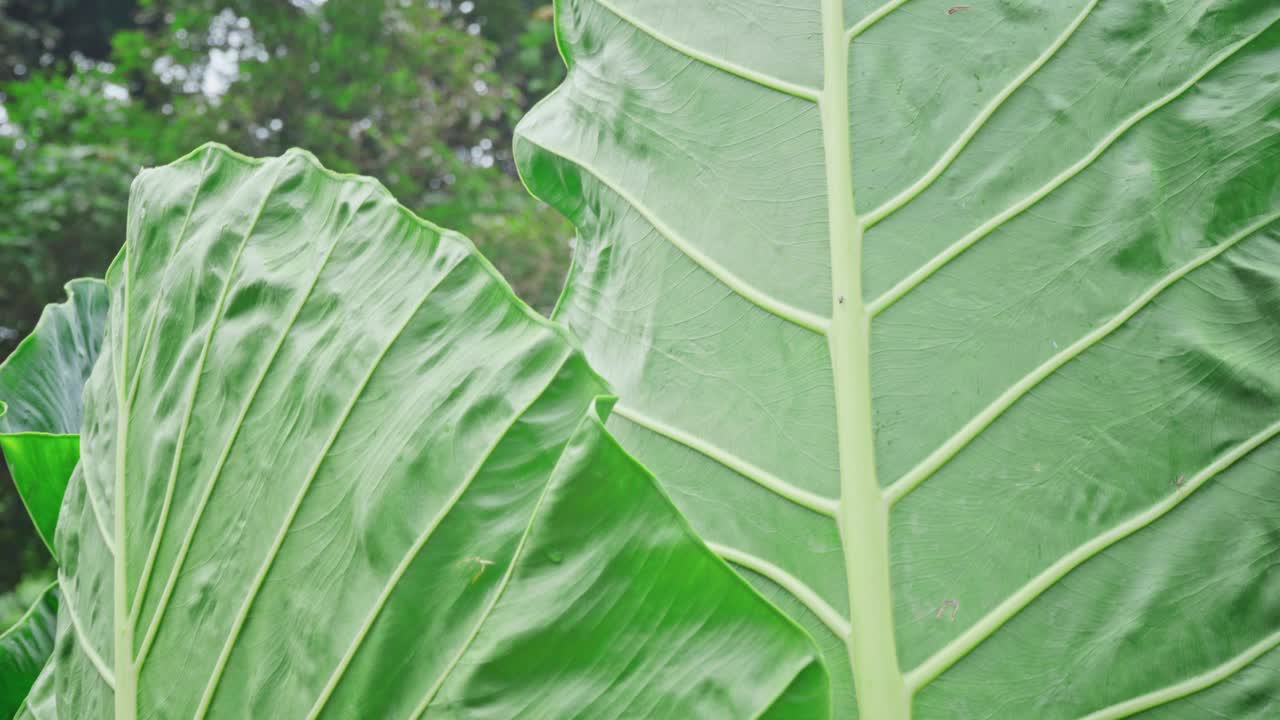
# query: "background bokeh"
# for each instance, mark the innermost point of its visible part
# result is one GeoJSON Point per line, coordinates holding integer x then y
{"type": "Point", "coordinates": [421, 94]}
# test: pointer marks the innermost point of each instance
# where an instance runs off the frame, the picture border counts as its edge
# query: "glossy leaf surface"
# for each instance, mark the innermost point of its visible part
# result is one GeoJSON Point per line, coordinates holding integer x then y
{"type": "Point", "coordinates": [40, 703]}
{"type": "Point", "coordinates": [40, 405]}
{"type": "Point", "coordinates": [24, 650]}
{"type": "Point", "coordinates": [955, 327]}
{"type": "Point", "coordinates": [332, 467]}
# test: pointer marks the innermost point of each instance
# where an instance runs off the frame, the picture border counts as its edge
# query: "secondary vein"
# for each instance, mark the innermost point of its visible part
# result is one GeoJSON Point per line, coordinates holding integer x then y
{"type": "Point", "coordinates": [243, 615]}
{"type": "Point", "coordinates": [162, 524]}
{"type": "Point", "coordinates": [92, 499]}
{"type": "Point", "coordinates": [930, 669]}
{"type": "Point", "coordinates": [1191, 685]}
{"type": "Point", "coordinates": [727, 66]}
{"type": "Point", "coordinates": [785, 580]}
{"type": "Point", "coordinates": [430, 696]}
{"type": "Point", "coordinates": [942, 259]}
{"type": "Point", "coordinates": [419, 543]}
{"type": "Point", "coordinates": [876, 16]}
{"type": "Point", "coordinates": [912, 191]}
{"type": "Point", "coordinates": [774, 484]}
{"type": "Point", "coordinates": [972, 429]}
{"type": "Point", "coordinates": [82, 637]}
{"type": "Point", "coordinates": [182, 431]}
{"type": "Point", "coordinates": [744, 289]}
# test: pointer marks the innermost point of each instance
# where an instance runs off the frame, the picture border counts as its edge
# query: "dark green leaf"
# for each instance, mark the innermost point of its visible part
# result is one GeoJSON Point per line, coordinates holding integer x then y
{"type": "Point", "coordinates": [40, 399]}
{"type": "Point", "coordinates": [333, 467]}
{"type": "Point", "coordinates": [24, 650]}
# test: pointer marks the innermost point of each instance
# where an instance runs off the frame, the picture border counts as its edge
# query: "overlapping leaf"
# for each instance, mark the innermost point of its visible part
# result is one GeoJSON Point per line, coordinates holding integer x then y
{"type": "Point", "coordinates": [332, 467]}
{"type": "Point", "coordinates": [24, 650]}
{"type": "Point", "coordinates": [40, 403]}
{"type": "Point", "coordinates": [954, 327]}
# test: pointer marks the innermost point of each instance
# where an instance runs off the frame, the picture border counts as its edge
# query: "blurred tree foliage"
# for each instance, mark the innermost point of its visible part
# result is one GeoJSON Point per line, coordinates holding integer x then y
{"type": "Point", "coordinates": [421, 94]}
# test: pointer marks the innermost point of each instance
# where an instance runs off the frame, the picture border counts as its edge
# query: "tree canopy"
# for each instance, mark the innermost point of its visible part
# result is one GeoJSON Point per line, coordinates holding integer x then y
{"type": "Point", "coordinates": [421, 95]}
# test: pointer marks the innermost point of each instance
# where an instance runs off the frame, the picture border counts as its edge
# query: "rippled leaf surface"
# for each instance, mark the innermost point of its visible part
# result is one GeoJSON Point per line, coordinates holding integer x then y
{"type": "Point", "coordinates": [40, 703]}
{"type": "Point", "coordinates": [332, 467]}
{"type": "Point", "coordinates": [24, 650]}
{"type": "Point", "coordinates": [40, 405]}
{"type": "Point", "coordinates": [955, 327]}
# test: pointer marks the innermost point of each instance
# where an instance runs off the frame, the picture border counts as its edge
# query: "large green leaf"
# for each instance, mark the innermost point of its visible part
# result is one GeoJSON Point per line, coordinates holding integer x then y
{"type": "Point", "coordinates": [333, 467]}
{"type": "Point", "coordinates": [40, 703]}
{"type": "Point", "coordinates": [40, 404]}
{"type": "Point", "coordinates": [1000, 430]}
{"type": "Point", "coordinates": [24, 650]}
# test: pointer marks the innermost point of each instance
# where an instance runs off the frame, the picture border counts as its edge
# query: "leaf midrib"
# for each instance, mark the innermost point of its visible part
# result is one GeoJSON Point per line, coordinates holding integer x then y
{"type": "Point", "coordinates": [863, 511]}
{"type": "Point", "coordinates": [162, 603]}
{"type": "Point", "coordinates": [127, 668]}
{"type": "Point", "coordinates": [894, 491]}
{"type": "Point", "coordinates": [122, 673]}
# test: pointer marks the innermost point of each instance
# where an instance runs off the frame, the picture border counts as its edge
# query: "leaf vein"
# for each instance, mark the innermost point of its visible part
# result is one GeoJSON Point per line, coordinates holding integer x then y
{"type": "Point", "coordinates": [136, 605]}
{"type": "Point", "coordinates": [155, 308]}
{"type": "Point", "coordinates": [107, 542]}
{"type": "Point", "coordinates": [774, 484]}
{"type": "Point", "coordinates": [807, 596]}
{"type": "Point", "coordinates": [980, 631]}
{"type": "Point", "coordinates": [975, 427]}
{"type": "Point", "coordinates": [243, 615]}
{"type": "Point", "coordinates": [180, 558]}
{"type": "Point", "coordinates": [412, 553]}
{"type": "Point", "coordinates": [924, 272]}
{"type": "Point", "coordinates": [82, 638]}
{"type": "Point", "coordinates": [762, 79]}
{"type": "Point", "coordinates": [1191, 685]}
{"type": "Point", "coordinates": [876, 16]}
{"type": "Point", "coordinates": [911, 192]}
{"type": "Point", "coordinates": [497, 596]}
{"type": "Point", "coordinates": [748, 292]}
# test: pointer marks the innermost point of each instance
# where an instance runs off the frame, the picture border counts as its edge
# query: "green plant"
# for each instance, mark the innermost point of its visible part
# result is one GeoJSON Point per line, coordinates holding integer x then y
{"type": "Point", "coordinates": [999, 433]}
{"type": "Point", "coordinates": [468, 543]}
{"type": "Point", "coordinates": [94, 90]}
{"type": "Point", "coordinates": [26, 644]}
{"type": "Point", "coordinates": [41, 385]}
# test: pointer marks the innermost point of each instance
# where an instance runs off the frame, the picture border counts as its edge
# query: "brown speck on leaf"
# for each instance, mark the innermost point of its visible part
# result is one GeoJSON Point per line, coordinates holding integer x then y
{"type": "Point", "coordinates": [1181, 479]}
{"type": "Point", "coordinates": [481, 564]}
{"type": "Point", "coordinates": [953, 604]}
{"type": "Point", "coordinates": [956, 8]}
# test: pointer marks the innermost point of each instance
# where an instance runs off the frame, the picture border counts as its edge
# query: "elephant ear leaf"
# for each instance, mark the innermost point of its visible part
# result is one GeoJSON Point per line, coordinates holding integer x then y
{"type": "Point", "coordinates": [24, 651]}
{"type": "Point", "coordinates": [40, 399]}
{"type": "Point", "coordinates": [41, 702]}
{"type": "Point", "coordinates": [332, 467]}
{"type": "Point", "coordinates": [953, 327]}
